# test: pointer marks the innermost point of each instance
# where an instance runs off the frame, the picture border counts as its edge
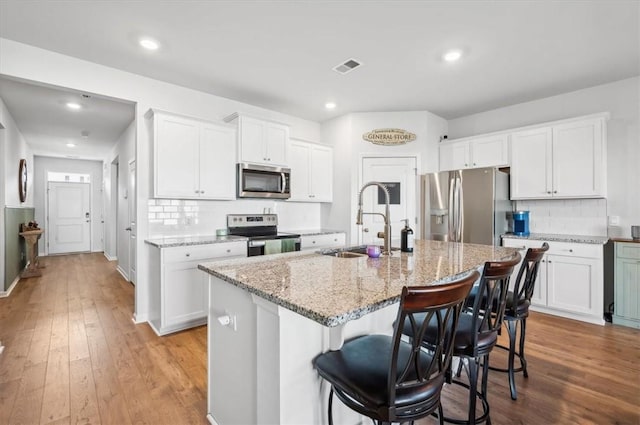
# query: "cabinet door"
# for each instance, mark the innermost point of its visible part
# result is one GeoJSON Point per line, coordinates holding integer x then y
{"type": "Point", "coordinates": [578, 166]}
{"type": "Point", "coordinates": [531, 171]}
{"type": "Point", "coordinates": [454, 156]}
{"type": "Point", "coordinates": [276, 141]}
{"type": "Point", "coordinates": [252, 134]}
{"type": "Point", "coordinates": [572, 284]}
{"type": "Point", "coordinates": [490, 151]}
{"type": "Point", "coordinates": [175, 157]}
{"type": "Point", "coordinates": [217, 162]}
{"type": "Point", "coordinates": [321, 174]}
{"type": "Point", "coordinates": [627, 288]}
{"type": "Point", "coordinates": [539, 296]}
{"type": "Point", "coordinates": [184, 294]}
{"type": "Point", "coordinates": [300, 171]}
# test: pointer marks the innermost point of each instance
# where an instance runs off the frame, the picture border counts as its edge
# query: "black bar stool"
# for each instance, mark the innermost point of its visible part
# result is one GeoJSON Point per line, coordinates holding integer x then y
{"type": "Point", "coordinates": [517, 311]}
{"type": "Point", "coordinates": [477, 333]}
{"type": "Point", "coordinates": [389, 379]}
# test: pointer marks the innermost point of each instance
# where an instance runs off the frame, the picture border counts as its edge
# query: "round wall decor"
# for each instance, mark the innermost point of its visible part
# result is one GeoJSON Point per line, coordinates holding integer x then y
{"type": "Point", "coordinates": [22, 180]}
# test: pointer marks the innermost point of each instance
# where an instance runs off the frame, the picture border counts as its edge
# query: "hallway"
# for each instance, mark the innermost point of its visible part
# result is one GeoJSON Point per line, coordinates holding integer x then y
{"type": "Point", "coordinates": [73, 355]}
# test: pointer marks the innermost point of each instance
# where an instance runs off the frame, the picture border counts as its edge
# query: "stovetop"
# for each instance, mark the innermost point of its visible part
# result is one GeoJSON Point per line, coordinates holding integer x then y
{"type": "Point", "coordinates": [256, 227]}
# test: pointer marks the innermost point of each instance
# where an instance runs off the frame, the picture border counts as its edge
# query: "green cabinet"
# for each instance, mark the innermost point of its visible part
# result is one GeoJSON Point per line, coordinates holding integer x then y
{"type": "Point", "coordinates": [627, 284]}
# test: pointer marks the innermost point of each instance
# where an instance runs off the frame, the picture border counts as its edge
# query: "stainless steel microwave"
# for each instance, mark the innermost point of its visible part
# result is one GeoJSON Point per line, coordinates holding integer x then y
{"type": "Point", "coordinates": [262, 181]}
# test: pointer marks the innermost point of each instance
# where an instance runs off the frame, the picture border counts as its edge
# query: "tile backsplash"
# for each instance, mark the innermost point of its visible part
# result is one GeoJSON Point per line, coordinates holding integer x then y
{"type": "Point", "coordinates": [567, 216]}
{"type": "Point", "coordinates": [174, 217]}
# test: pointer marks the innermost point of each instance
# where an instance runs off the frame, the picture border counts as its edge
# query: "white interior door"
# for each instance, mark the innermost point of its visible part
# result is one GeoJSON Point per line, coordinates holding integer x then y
{"type": "Point", "coordinates": [400, 177]}
{"type": "Point", "coordinates": [132, 221]}
{"type": "Point", "coordinates": [69, 224]}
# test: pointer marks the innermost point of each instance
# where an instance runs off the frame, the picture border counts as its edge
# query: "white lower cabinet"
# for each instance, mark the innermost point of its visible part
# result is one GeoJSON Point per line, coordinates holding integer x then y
{"type": "Point", "coordinates": [570, 279]}
{"type": "Point", "coordinates": [179, 294]}
{"type": "Point", "coordinates": [315, 242]}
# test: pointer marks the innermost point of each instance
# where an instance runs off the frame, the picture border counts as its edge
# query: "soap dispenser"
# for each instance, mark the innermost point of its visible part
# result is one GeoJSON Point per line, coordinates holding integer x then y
{"type": "Point", "coordinates": [406, 237]}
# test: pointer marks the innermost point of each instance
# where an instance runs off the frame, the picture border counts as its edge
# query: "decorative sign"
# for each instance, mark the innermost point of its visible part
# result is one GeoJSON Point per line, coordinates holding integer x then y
{"type": "Point", "coordinates": [389, 136]}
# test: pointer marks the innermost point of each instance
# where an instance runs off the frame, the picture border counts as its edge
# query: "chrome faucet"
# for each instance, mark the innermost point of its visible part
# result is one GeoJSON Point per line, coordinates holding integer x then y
{"type": "Point", "coordinates": [387, 220]}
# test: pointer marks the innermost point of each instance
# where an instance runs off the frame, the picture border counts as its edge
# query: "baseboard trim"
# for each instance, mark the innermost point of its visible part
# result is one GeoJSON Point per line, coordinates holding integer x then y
{"type": "Point", "coordinates": [122, 272]}
{"type": "Point", "coordinates": [4, 294]}
{"type": "Point", "coordinates": [109, 257]}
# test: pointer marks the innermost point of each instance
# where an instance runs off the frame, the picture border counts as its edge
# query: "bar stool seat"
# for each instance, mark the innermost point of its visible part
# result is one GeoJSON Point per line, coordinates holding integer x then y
{"type": "Point", "coordinates": [389, 379]}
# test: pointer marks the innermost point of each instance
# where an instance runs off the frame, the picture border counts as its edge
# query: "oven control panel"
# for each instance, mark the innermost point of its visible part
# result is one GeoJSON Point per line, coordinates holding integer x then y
{"type": "Point", "coordinates": [254, 220]}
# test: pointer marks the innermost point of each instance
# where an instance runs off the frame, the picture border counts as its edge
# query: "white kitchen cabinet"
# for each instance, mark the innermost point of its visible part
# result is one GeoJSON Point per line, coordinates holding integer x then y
{"type": "Point", "coordinates": [261, 141]}
{"type": "Point", "coordinates": [566, 160]}
{"type": "Point", "coordinates": [192, 159]}
{"type": "Point", "coordinates": [570, 279]}
{"type": "Point", "coordinates": [311, 172]}
{"type": "Point", "coordinates": [325, 241]}
{"type": "Point", "coordinates": [475, 152]}
{"type": "Point", "coordinates": [627, 284]}
{"type": "Point", "coordinates": [179, 291]}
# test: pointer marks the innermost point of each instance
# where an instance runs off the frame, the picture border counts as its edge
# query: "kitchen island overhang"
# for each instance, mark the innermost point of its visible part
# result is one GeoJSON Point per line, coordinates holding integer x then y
{"type": "Point", "coordinates": [270, 316]}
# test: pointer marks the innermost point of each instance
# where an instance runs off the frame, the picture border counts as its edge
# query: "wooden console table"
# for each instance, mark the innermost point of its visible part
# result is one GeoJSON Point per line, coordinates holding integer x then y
{"type": "Point", "coordinates": [31, 237]}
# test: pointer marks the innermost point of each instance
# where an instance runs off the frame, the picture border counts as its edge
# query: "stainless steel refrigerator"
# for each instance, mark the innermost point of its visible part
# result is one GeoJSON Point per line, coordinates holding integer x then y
{"type": "Point", "coordinates": [465, 205]}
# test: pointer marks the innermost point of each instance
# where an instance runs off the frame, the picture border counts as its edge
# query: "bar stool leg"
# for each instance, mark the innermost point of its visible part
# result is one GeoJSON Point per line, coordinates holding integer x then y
{"type": "Point", "coordinates": [523, 361]}
{"type": "Point", "coordinates": [512, 328]}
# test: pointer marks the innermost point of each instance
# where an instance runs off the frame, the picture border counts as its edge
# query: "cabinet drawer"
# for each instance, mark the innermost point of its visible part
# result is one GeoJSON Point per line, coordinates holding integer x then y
{"type": "Point", "coordinates": [560, 248]}
{"type": "Point", "coordinates": [628, 250]}
{"type": "Point", "coordinates": [334, 240]}
{"type": "Point", "coordinates": [203, 252]}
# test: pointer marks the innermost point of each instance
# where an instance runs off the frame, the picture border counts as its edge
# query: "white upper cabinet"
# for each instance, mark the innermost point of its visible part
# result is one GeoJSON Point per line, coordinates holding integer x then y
{"type": "Point", "coordinates": [476, 152]}
{"type": "Point", "coordinates": [260, 141]}
{"type": "Point", "coordinates": [566, 160]}
{"type": "Point", "coordinates": [311, 172]}
{"type": "Point", "coordinates": [192, 159]}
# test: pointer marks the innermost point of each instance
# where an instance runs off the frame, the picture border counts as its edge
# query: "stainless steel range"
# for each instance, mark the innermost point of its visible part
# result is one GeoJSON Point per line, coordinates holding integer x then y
{"type": "Point", "coordinates": [262, 231]}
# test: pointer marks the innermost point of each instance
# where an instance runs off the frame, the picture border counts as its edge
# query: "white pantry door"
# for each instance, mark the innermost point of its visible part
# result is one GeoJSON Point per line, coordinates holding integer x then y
{"type": "Point", "coordinates": [69, 225]}
{"type": "Point", "coordinates": [399, 175]}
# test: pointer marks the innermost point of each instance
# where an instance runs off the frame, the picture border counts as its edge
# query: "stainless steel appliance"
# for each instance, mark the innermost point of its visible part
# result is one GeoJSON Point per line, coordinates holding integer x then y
{"type": "Point", "coordinates": [262, 231]}
{"type": "Point", "coordinates": [262, 181]}
{"type": "Point", "coordinates": [465, 205]}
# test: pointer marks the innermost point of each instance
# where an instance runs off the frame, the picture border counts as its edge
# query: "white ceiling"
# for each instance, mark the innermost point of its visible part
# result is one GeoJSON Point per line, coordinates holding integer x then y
{"type": "Point", "coordinates": [280, 54]}
{"type": "Point", "coordinates": [48, 124]}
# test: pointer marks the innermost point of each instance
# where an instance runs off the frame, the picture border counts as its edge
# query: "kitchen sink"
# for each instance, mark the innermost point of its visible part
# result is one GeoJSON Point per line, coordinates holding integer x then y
{"type": "Point", "coordinates": [351, 252]}
{"type": "Point", "coordinates": [347, 254]}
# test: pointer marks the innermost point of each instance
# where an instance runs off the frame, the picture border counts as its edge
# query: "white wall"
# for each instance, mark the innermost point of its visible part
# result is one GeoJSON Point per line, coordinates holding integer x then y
{"type": "Point", "coordinates": [345, 134]}
{"type": "Point", "coordinates": [621, 99]}
{"type": "Point", "coordinates": [44, 165]}
{"type": "Point", "coordinates": [13, 147]}
{"type": "Point", "coordinates": [22, 61]}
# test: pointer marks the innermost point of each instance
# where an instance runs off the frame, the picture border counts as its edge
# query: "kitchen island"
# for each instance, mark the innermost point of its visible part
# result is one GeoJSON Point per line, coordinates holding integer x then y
{"type": "Point", "coordinates": [270, 316]}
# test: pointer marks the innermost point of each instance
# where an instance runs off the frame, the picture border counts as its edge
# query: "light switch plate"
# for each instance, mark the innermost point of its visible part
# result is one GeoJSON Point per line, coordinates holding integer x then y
{"type": "Point", "coordinates": [614, 220]}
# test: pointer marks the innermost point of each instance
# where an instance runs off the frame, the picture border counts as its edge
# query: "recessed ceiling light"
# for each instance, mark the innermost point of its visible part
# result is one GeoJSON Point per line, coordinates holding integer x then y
{"type": "Point", "coordinates": [330, 105]}
{"type": "Point", "coordinates": [149, 44]}
{"type": "Point", "coordinates": [73, 105]}
{"type": "Point", "coordinates": [71, 145]}
{"type": "Point", "coordinates": [452, 55]}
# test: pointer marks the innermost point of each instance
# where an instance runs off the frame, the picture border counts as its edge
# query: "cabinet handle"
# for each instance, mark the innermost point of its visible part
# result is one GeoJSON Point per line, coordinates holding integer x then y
{"type": "Point", "coordinates": [555, 191]}
{"type": "Point", "coordinates": [549, 192]}
{"type": "Point", "coordinates": [268, 159]}
{"type": "Point", "coordinates": [474, 164]}
{"type": "Point", "coordinates": [228, 250]}
{"type": "Point", "coordinates": [549, 261]}
{"type": "Point", "coordinates": [313, 241]}
{"type": "Point", "coordinates": [202, 191]}
{"type": "Point", "coordinates": [187, 255]}
{"type": "Point", "coordinates": [312, 196]}
{"type": "Point", "coordinates": [466, 165]}
{"type": "Point", "coordinates": [336, 240]}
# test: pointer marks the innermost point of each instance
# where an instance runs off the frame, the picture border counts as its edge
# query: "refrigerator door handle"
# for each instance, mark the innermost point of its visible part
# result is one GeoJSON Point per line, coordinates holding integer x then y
{"type": "Point", "coordinates": [460, 223]}
{"type": "Point", "coordinates": [451, 216]}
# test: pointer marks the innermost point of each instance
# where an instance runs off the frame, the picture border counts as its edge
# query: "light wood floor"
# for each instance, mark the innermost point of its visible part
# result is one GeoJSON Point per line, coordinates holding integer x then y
{"type": "Point", "coordinates": [73, 355]}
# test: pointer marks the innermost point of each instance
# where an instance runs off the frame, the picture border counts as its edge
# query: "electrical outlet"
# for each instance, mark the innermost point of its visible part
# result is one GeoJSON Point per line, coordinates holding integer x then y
{"type": "Point", "coordinates": [614, 220]}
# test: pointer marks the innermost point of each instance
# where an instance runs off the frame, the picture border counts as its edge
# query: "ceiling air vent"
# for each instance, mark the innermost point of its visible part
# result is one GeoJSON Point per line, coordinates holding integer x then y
{"type": "Point", "coordinates": [346, 67]}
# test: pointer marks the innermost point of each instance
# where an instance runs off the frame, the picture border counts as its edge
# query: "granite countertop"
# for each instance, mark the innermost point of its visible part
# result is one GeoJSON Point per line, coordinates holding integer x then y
{"type": "Point", "coordinates": [597, 240]}
{"type": "Point", "coordinates": [333, 291]}
{"type": "Point", "coordinates": [173, 241]}
{"type": "Point", "coordinates": [629, 240]}
{"type": "Point", "coordinates": [314, 232]}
